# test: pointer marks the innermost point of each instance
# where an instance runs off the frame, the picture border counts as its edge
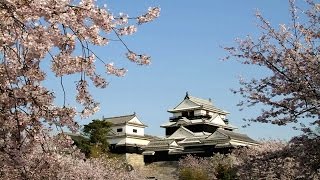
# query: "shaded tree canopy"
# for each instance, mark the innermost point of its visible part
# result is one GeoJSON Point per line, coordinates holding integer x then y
{"type": "Point", "coordinates": [82, 143]}
{"type": "Point", "coordinates": [97, 132]}
{"type": "Point", "coordinates": [94, 141]}
{"type": "Point", "coordinates": [291, 52]}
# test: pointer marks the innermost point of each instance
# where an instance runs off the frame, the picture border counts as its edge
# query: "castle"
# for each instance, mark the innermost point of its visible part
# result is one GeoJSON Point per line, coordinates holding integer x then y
{"type": "Point", "coordinates": [196, 127]}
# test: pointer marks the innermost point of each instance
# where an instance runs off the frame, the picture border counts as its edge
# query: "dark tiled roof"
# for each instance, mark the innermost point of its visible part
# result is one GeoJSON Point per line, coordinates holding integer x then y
{"type": "Point", "coordinates": [237, 136]}
{"type": "Point", "coordinates": [120, 119]}
{"type": "Point", "coordinates": [186, 122]}
{"type": "Point", "coordinates": [157, 143]}
{"type": "Point", "coordinates": [205, 104]}
{"type": "Point", "coordinates": [191, 102]}
{"type": "Point", "coordinates": [199, 100]}
{"type": "Point", "coordinates": [152, 137]}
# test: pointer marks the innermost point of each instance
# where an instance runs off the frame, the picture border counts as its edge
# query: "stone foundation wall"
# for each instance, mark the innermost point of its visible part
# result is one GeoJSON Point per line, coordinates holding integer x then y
{"type": "Point", "coordinates": [136, 160]}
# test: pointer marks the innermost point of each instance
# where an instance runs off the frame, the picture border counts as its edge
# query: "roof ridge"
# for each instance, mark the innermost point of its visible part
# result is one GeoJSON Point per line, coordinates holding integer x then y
{"type": "Point", "coordinates": [219, 130]}
{"type": "Point", "coordinates": [187, 129]}
{"type": "Point", "coordinates": [184, 101]}
{"type": "Point", "coordinates": [197, 98]}
{"type": "Point", "coordinates": [232, 132]}
{"type": "Point", "coordinates": [134, 114]}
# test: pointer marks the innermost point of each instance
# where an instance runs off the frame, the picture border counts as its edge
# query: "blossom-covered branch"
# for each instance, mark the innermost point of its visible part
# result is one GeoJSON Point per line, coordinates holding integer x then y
{"type": "Point", "coordinates": [291, 53]}
{"type": "Point", "coordinates": [62, 31]}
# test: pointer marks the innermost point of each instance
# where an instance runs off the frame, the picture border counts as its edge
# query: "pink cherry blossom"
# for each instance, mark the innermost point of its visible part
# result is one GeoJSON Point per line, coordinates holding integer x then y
{"type": "Point", "coordinates": [290, 52]}
{"type": "Point", "coordinates": [115, 71]}
{"type": "Point", "coordinates": [53, 32]}
{"type": "Point", "coordinates": [153, 12]}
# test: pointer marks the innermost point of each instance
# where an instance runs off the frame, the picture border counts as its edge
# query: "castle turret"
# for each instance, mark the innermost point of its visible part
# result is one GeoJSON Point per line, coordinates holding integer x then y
{"type": "Point", "coordinates": [196, 126]}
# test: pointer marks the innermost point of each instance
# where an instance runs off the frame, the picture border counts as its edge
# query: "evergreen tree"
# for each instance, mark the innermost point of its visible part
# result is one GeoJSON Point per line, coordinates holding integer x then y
{"type": "Point", "coordinates": [97, 131]}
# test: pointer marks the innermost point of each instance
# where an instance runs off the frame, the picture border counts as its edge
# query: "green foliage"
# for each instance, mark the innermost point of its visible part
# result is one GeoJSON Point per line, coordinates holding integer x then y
{"type": "Point", "coordinates": [217, 167]}
{"type": "Point", "coordinates": [120, 157]}
{"type": "Point", "coordinates": [223, 166]}
{"type": "Point", "coordinates": [95, 142]}
{"type": "Point", "coordinates": [194, 168]}
{"type": "Point", "coordinates": [97, 132]}
{"type": "Point", "coordinates": [96, 151]}
{"type": "Point", "coordinates": [188, 173]}
{"type": "Point", "coordinates": [82, 143]}
{"type": "Point", "coordinates": [225, 172]}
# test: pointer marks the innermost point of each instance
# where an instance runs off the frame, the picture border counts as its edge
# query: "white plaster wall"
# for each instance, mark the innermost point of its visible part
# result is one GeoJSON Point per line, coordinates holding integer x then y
{"type": "Point", "coordinates": [219, 121]}
{"type": "Point", "coordinates": [180, 133]}
{"type": "Point", "coordinates": [174, 144]}
{"type": "Point", "coordinates": [129, 130]}
{"type": "Point", "coordinates": [199, 112]}
{"type": "Point", "coordinates": [115, 140]}
{"type": "Point", "coordinates": [129, 141]}
{"type": "Point", "coordinates": [114, 129]}
{"type": "Point", "coordinates": [203, 112]}
{"type": "Point", "coordinates": [135, 120]}
{"type": "Point", "coordinates": [137, 141]}
{"type": "Point", "coordinates": [239, 143]}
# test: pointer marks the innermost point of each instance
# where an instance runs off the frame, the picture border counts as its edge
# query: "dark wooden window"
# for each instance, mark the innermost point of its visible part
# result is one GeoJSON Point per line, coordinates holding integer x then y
{"type": "Point", "coordinates": [184, 113]}
{"type": "Point", "coordinates": [119, 130]}
{"type": "Point", "coordinates": [170, 130]}
{"type": "Point", "coordinates": [191, 113]}
{"type": "Point", "coordinates": [135, 130]}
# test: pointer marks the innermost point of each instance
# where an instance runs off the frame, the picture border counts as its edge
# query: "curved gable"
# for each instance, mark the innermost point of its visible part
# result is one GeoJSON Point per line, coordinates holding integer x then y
{"type": "Point", "coordinates": [181, 133]}
{"type": "Point", "coordinates": [217, 120]}
{"type": "Point", "coordinates": [136, 121]}
{"type": "Point", "coordinates": [218, 135]}
{"type": "Point", "coordinates": [186, 104]}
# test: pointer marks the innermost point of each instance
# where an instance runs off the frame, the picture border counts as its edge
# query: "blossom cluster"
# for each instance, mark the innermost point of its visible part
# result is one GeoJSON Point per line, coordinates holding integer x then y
{"type": "Point", "coordinates": [298, 159]}
{"type": "Point", "coordinates": [196, 168]}
{"type": "Point", "coordinates": [127, 30]}
{"type": "Point", "coordinates": [273, 159]}
{"type": "Point", "coordinates": [290, 92]}
{"type": "Point", "coordinates": [84, 98]}
{"type": "Point", "coordinates": [140, 59]}
{"type": "Point", "coordinates": [61, 161]}
{"type": "Point", "coordinates": [31, 34]}
{"type": "Point", "coordinates": [153, 12]}
{"type": "Point", "coordinates": [115, 71]}
{"type": "Point", "coordinates": [211, 168]}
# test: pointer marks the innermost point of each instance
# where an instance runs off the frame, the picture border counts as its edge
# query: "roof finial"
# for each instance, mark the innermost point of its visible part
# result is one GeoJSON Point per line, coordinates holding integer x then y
{"type": "Point", "coordinates": [187, 95]}
{"type": "Point", "coordinates": [210, 100]}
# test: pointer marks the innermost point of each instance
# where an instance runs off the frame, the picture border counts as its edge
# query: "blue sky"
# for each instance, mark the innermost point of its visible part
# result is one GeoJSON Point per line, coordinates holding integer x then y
{"type": "Point", "coordinates": [185, 45]}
